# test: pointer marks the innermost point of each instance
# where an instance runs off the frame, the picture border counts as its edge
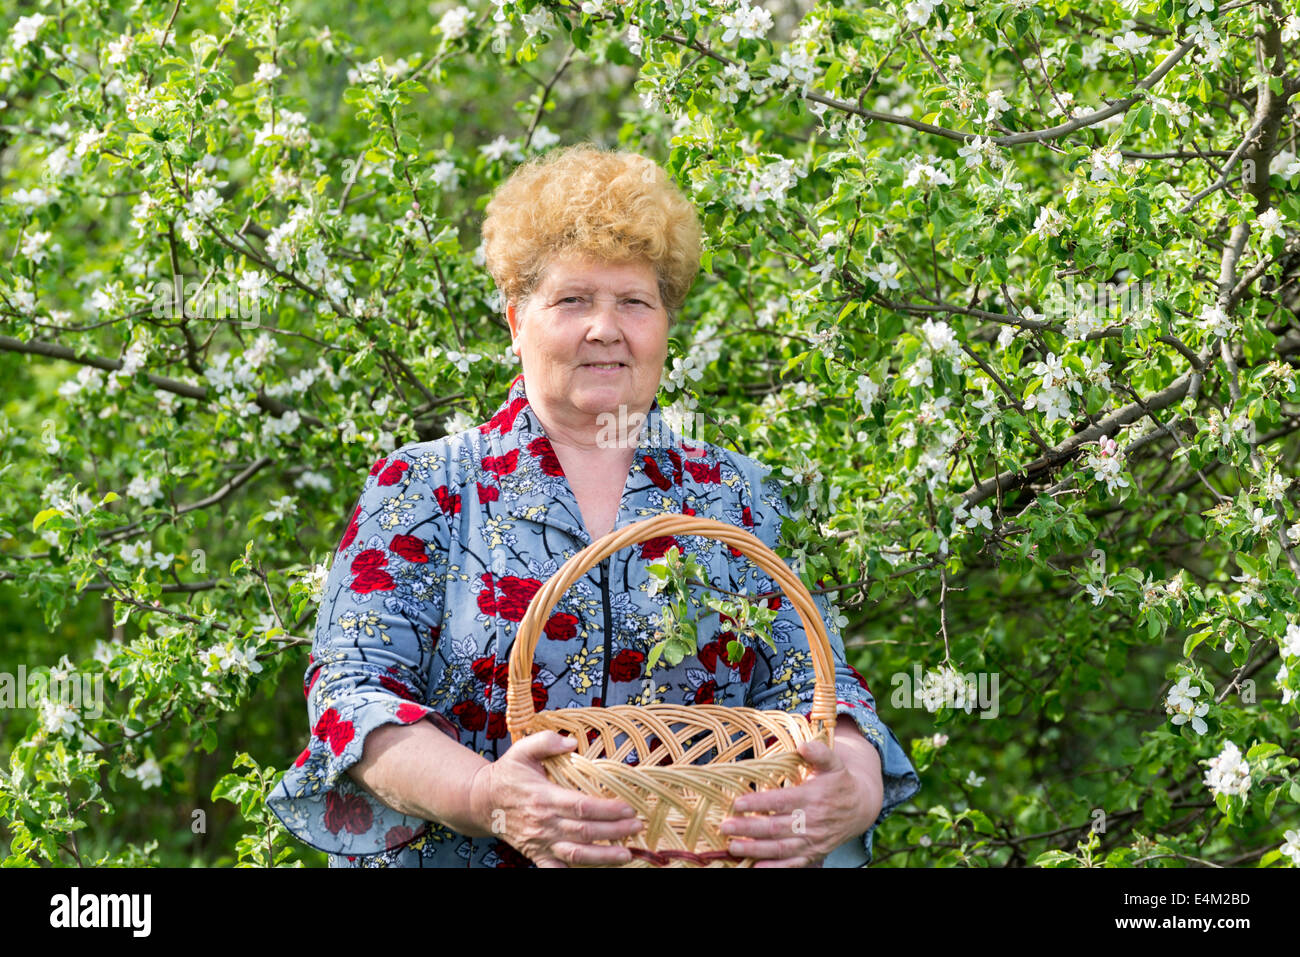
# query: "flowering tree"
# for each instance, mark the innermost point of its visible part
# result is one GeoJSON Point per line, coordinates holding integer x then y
{"type": "Point", "coordinates": [1003, 289]}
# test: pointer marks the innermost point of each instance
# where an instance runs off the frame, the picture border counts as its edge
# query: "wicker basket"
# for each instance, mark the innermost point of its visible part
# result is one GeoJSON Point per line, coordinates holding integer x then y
{"type": "Point", "coordinates": [680, 802]}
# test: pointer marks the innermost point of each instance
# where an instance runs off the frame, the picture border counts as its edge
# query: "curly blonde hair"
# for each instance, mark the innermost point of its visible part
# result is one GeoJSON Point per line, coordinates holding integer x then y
{"type": "Point", "coordinates": [610, 206]}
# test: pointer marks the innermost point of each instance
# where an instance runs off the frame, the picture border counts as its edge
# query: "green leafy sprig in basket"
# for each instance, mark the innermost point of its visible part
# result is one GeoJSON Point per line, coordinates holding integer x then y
{"type": "Point", "coordinates": [678, 632]}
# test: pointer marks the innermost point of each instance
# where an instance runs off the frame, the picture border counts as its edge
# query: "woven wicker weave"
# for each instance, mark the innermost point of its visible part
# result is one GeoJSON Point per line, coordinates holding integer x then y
{"type": "Point", "coordinates": [690, 758]}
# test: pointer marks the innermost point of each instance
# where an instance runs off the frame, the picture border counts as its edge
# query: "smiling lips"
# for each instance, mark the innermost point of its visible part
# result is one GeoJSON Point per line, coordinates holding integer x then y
{"type": "Point", "coordinates": [605, 366]}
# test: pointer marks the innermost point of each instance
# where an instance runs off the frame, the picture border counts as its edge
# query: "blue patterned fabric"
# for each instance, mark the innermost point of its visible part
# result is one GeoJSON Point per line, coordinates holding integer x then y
{"type": "Point", "coordinates": [448, 543]}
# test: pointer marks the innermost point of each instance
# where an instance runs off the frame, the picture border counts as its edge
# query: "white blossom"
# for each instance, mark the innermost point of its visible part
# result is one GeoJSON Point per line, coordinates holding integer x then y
{"type": "Point", "coordinates": [280, 508]}
{"type": "Point", "coordinates": [144, 490]}
{"type": "Point", "coordinates": [1291, 847]}
{"type": "Point", "coordinates": [746, 23]}
{"type": "Point", "coordinates": [1049, 222]}
{"type": "Point", "coordinates": [1217, 322]}
{"type": "Point", "coordinates": [148, 773]}
{"type": "Point", "coordinates": [918, 11]}
{"type": "Point", "coordinates": [266, 72]}
{"type": "Point", "coordinates": [1131, 43]}
{"type": "Point", "coordinates": [25, 29]}
{"type": "Point", "coordinates": [455, 22]}
{"type": "Point", "coordinates": [1181, 704]}
{"type": "Point", "coordinates": [1270, 223]}
{"type": "Point", "coordinates": [1228, 773]}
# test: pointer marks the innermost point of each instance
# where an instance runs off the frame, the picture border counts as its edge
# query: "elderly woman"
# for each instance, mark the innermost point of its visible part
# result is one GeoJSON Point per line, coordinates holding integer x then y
{"type": "Point", "coordinates": [409, 762]}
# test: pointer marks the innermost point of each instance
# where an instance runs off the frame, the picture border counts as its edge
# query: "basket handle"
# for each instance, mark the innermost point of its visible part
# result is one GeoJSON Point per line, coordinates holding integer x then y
{"type": "Point", "coordinates": [519, 697]}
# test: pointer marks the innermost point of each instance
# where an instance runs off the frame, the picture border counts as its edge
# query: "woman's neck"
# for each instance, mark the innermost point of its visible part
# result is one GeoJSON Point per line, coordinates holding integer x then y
{"type": "Point", "coordinates": [598, 436]}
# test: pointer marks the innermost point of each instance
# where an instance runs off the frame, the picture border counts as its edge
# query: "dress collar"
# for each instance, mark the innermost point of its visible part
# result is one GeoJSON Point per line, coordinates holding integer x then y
{"type": "Point", "coordinates": [520, 466]}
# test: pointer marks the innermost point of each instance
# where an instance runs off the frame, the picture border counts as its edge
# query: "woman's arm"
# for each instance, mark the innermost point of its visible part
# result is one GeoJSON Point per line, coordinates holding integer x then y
{"type": "Point", "coordinates": [420, 771]}
{"type": "Point", "coordinates": [799, 826]}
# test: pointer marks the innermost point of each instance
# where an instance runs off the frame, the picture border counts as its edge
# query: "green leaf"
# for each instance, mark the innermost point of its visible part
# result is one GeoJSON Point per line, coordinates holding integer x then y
{"type": "Point", "coordinates": [1263, 750]}
{"type": "Point", "coordinates": [44, 516]}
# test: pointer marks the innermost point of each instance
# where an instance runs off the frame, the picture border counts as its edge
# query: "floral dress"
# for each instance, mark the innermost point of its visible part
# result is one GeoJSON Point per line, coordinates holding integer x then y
{"type": "Point", "coordinates": [449, 542]}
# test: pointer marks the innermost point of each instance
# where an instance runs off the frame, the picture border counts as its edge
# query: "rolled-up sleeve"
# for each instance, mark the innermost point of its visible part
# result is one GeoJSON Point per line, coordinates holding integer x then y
{"type": "Point", "coordinates": [380, 614]}
{"type": "Point", "coordinates": [786, 679]}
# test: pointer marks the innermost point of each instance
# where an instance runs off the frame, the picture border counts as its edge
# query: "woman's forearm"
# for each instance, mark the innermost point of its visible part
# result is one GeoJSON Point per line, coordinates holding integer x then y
{"type": "Point", "coordinates": [420, 771]}
{"type": "Point", "coordinates": [863, 762]}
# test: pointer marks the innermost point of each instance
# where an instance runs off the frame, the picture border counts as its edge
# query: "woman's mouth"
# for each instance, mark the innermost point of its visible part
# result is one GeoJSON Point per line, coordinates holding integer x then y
{"type": "Point", "coordinates": [609, 366]}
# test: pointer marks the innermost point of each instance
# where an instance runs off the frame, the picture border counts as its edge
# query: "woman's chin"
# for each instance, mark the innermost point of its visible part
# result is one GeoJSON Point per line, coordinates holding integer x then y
{"type": "Point", "coordinates": [595, 401]}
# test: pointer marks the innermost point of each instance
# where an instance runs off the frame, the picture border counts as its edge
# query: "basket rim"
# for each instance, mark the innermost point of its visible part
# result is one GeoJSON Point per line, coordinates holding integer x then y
{"type": "Point", "coordinates": [520, 712]}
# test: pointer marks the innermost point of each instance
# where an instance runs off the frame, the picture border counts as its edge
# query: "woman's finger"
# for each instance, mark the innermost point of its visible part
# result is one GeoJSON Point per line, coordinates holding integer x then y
{"type": "Point", "coordinates": [761, 826]}
{"type": "Point", "coordinates": [572, 854]}
{"type": "Point", "coordinates": [776, 800]}
{"type": "Point", "coordinates": [790, 862]}
{"type": "Point", "coordinates": [574, 804]}
{"type": "Point", "coordinates": [772, 850]}
{"type": "Point", "coordinates": [588, 832]}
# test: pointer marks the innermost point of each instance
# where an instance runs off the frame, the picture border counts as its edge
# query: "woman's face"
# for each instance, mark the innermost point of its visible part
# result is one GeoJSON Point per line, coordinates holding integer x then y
{"type": "Point", "coordinates": [592, 337]}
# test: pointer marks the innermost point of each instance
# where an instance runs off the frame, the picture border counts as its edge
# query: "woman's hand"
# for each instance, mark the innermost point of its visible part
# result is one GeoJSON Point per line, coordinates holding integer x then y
{"type": "Point", "coordinates": [798, 826]}
{"type": "Point", "coordinates": [553, 825]}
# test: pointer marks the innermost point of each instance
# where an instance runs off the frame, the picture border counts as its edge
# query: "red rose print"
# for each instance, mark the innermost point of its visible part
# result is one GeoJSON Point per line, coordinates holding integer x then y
{"type": "Point", "coordinates": [657, 547]}
{"type": "Point", "coordinates": [507, 856]}
{"type": "Point", "coordinates": [409, 713]}
{"type": "Point", "coordinates": [397, 687]}
{"type": "Point", "coordinates": [349, 813]}
{"type": "Point", "coordinates": [747, 516]}
{"type": "Point", "coordinates": [626, 665]}
{"type": "Point", "coordinates": [561, 626]}
{"type": "Point", "coordinates": [393, 474]}
{"type": "Point", "coordinates": [306, 691]}
{"type": "Point", "coordinates": [540, 448]}
{"type": "Point", "coordinates": [500, 465]}
{"type": "Point", "coordinates": [705, 692]}
{"type": "Point", "coordinates": [488, 493]}
{"type": "Point", "coordinates": [398, 835]}
{"type": "Point", "coordinates": [687, 510]}
{"type": "Point", "coordinates": [410, 547]}
{"type": "Point", "coordinates": [487, 598]}
{"type": "Point", "coordinates": [774, 601]}
{"type": "Point", "coordinates": [471, 715]}
{"type": "Point", "coordinates": [540, 696]}
{"type": "Point", "coordinates": [705, 473]}
{"type": "Point", "coordinates": [651, 469]}
{"type": "Point", "coordinates": [504, 420]}
{"type": "Point", "coordinates": [677, 465]}
{"type": "Point", "coordinates": [350, 533]}
{"type": "Point", "coordinates": [708, 655]}
{"type": "Point", "coordinates": [746, 664]}
{"type": "Point", "coordinates": [516, 593]}
{"type": "Point", "coordinates": [302, 758]}
{"type": "Point", "coordinates": [496, 725]}
{"type": "Point", "coordinates": [368, 567]}
{"type": "Point", "coordinates": [337, 733]}
{"type": "Point", "coordinates": [484, 668]}
{"type": "Point", "coordinates": [490, 671]}
{"type": "Point", "coordinates": [378, 466]}
{"type": "Point", "coordinates": [448, 501]}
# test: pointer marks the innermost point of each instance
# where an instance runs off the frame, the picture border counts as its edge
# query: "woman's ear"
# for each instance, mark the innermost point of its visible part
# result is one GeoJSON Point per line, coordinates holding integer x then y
{"type": "Point", "coordinates": [515, 321]}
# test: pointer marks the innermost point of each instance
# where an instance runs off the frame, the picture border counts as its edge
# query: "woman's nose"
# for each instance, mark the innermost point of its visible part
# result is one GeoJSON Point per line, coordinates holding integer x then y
{"type": "Point", "coordinates": [603, 320]}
